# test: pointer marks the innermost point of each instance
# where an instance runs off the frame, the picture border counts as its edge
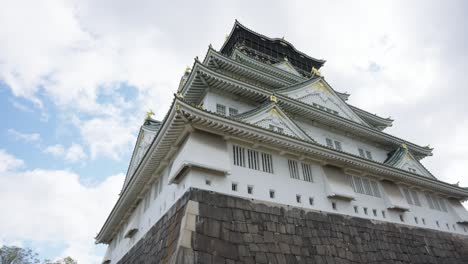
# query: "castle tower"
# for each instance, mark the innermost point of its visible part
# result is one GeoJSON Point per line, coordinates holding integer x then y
{"type": "Point", "coordinates": [260, 160]}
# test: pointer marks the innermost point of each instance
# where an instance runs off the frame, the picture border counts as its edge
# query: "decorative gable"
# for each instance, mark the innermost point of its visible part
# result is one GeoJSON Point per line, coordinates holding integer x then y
{"type": "Point", "coordinates": [287, 66]}
{"type": "Point", "coordinates": [145, 137]}
{"type": "Point", "coordinates": [401, 158]}
{"type": "Point", "coordinates": [319, 94]}
{"type": "Point", "coordinates": [270, 116]}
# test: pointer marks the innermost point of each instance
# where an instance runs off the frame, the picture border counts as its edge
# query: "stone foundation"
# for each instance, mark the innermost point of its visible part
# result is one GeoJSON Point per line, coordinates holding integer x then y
{"type": "Point", "coordinates": [205, 227]}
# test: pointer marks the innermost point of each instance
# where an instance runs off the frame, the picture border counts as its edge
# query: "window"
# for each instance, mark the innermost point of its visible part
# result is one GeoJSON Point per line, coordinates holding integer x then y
{"type": "Point", "coordinates": [298, 198]}
{"type": "Point", "coordinates": [250, 189]}
{"type": "Point", "coordinates": [454, 228]}
{"type": "Point", "coordinates": [374, 211]}
{"type": "Point", "coordinates": [383, 214]}
{"type": "Point", "coordinates": [334, 206]}
{"type": "Point", "coordinates": [442, 205]}
{"type": "Point", "coordinates": [356, 210]}
{"type": "Point", "coordinates": [234, 187]}
{"type": "Point", "coordinates": [361, 153]}
{"type": "Point", "coordinates": [239, 155]}
{"type": "Point", "coordinates": [338, 145]}
{"type": "Point", "coordinates": [423, 221]}
{"type": "Point", "coordinates": [365, 210]}
{"type": "Point", "coordinates": [329, 143]}
{"type": "Point", "coordinates": [364, 186]}
{"type": "Point", "coordinates": [221, 109]}
{"type": "Point", "coordinates": [311, 200]}
{"type": "Point", "coordinates": [415, 197]}
{"type": "Point", "coordinates": [437, 223]}
{"type": "Point", "coordinates": [416, 220]}
{"type": "Point", "coordinates": [402, 219]}
{"type": "Point", "coordinates": [233, 111]}
{"type": "Point", "coordinates": [429, 201]}
{"type": "Point", "coordinates": [253, 159]}
{"type": "Point", "coordinates": [307, 172]}
{"type": "Point", "coordinates": [272, 194]}
{"type": "Point", "coordinates": [208, 182]}
{"type": "Point", "coordinates": [367, 187]}
{"type": "Point", "coordinates": [407, 196]}
{"type": "Point", "coordinates": [447, 226]}
{"type": "Point", "coordinates": [293, 169]}
{"type": "Point", "coordinates": [375, 189]}
{"type": "Point", "coordinates": [267, 163]}
{"type": "Point", "coordinates": [155, 189]}
{"type": "Point", "coordinates": [369, 155]}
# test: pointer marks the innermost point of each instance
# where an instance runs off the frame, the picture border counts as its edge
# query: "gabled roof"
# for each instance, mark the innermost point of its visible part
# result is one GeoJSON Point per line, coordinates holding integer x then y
{"type": "Point", "coordinates": [402, 158]}
{"type": "Point", "coordinates": [331, 96]}
{"type": "Point", "coordinates": [285, 65]}
{"type": "Point", "coordinates": [270, 113]}
{"type": "Point", "coordinates": [275, 48]}
{"type": "Point", "coordinates": [201, 78]}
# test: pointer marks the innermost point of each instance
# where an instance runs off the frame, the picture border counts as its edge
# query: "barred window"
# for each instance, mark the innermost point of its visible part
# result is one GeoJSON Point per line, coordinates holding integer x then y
{"type": "Point", "coordinates": [267, 162]}
{"type": "Point", "coordinates": [358, 184]}
{"type": "Point", "coordinates": [429, 201]}
{"type": "Point", "coordinates": [338, 145]}
{"type": "Point", "coordinates": [407, 196]}
{"type": "Point", "coordinates": [220, 109]}
{"type": "Point", "coordinates": [367, 187]}
{"type": "Point", "coordinates": [293, 169]}
{"type": "Point", "coordinates": [233, 111]}
{"type": "Point", "coordinates": [369, 155]}
{"type": "Point", "coordinates": [364, 186]}
{"type": "Point", "coordinates": [329, 143]}
{"type": "Point", "coordinates": [253, 159]}
{"type": "Point", "coordinates": [375, 189]}
{"type": "Point", "coordinates": [307, 172]}
{"type": "Point", "coordinates": [436, 203]}
{"type": "Point", "coordinates": [239, 155]}
{"type": "Point", "coordinates": [415, 197]}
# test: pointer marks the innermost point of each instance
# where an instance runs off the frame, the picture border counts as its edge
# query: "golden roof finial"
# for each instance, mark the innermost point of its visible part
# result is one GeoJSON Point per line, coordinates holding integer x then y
{"type": "Point", "coordinates": [316, 72]}
{"type": "Point", "coordinates": [286, 59]}
{"type": "Point", "coordinates": [179, 95]}
{"type": "Point", "coordinates": [188, 69]}
{"type": "Point", "coordinates": [404, 146]}
{"type": "Point", "coordinates": [273, 99]}
{"type": "Point", "coordinates": [149, 114]}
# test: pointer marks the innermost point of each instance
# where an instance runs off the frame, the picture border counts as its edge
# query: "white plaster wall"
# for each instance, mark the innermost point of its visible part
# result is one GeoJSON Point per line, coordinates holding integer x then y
{"type": "Point", "coordinates": [348, 144]}
{"type": "Point", "coordinates": [212, 98]}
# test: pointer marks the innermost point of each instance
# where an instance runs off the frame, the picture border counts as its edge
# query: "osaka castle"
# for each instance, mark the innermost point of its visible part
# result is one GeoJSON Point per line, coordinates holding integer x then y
{"type": "Point", "coordinates": [260, 160]}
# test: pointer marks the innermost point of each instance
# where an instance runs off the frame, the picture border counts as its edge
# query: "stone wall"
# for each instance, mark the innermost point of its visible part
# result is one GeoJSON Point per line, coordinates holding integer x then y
{"type": "Point", "coordinates": [235, 230]}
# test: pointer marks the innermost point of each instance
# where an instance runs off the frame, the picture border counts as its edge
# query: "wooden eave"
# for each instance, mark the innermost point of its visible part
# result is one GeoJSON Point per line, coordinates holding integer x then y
{"type": "Point", "coordinates": [213, 59]}
{"type": "Point", "coordinates": [209, 79]}
{"type": "Point", "coordinates": [164, 143]}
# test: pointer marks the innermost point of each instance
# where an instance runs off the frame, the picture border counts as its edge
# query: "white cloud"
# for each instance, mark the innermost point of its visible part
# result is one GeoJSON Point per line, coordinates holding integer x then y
{"type": "Point", "coordinates": [74, 153]}
{"type": "Point", "coordinates": [8, 162]}
{"type": "Point", "coordinates": [26, 137]}
{"type": "Point", "coordinates": [108, 136]}
{"type": "Point", "coordinates": [56, 150]}
{"type": "Point", "coordinates": [64, 210]}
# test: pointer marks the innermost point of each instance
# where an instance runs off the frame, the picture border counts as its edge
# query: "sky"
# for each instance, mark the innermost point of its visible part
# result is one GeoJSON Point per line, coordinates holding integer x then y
{"type": "Point", "coordinates": [77, 77]}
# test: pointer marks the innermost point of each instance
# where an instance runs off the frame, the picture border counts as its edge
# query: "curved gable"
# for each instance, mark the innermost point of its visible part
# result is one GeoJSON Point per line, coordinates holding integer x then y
{"type": "Point", "coordinates": [401, 158]}
{"type": "Point", "coordinates": [270, 116]}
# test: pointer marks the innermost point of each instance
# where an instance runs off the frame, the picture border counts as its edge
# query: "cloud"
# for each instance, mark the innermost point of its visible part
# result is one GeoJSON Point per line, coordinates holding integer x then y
{"type": "Point", "coordinates": [26, 137]}
{"type": "Point", "coordinates": [108, 136]}
{"type": "Point", "coordinates": [64, 210]}
{"type": "Point", "coordinates": [9, 162]}
{"type": "Point", "coordinates": [74, 153]}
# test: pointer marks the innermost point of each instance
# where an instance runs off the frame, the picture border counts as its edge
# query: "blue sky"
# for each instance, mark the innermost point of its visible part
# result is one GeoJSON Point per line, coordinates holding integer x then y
{"type": "Point", "coordinates": [76, 78]}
